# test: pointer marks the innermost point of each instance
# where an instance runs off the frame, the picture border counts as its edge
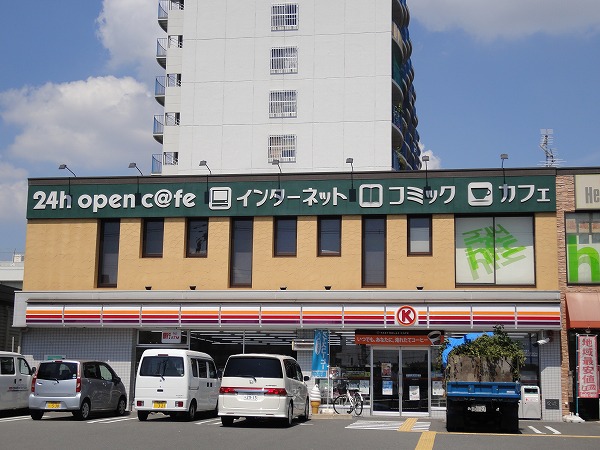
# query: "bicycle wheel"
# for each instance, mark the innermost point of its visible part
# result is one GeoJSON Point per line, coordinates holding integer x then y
{"type": "Point", "coordinates": [358, 405]}
{"type": "Point", "coordinates": [342, 405]}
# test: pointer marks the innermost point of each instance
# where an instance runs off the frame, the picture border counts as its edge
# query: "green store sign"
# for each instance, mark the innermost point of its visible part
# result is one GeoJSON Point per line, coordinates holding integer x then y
{"type": "Point", "coordinates": [394, 195]}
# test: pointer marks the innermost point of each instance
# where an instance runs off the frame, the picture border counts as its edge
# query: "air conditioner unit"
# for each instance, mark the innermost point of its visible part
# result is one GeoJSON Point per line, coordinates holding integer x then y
{"type": "Point", "coordinates": [302, 344]}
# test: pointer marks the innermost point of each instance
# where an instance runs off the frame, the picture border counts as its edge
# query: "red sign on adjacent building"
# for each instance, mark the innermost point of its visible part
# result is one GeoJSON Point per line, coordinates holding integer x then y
{"type": "Point", "coordinates": [588, 367]}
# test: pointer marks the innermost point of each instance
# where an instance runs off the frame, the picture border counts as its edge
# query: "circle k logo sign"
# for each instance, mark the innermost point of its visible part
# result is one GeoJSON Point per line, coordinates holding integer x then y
{"type": "Point", "coordinates": [406, 316]}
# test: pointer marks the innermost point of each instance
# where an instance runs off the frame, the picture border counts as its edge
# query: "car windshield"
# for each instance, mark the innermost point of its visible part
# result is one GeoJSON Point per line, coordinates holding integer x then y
{"type": "Point", "coordinates": [257, 367]}
{"type": "Point", "coordinates": [57, 370]}
{"type": "Point", "coordinates": [162, 366]}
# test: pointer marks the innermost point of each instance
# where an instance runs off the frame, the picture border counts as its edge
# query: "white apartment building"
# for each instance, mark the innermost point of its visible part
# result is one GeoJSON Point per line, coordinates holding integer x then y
{"type": "Point", "coordinates": [256, 86]}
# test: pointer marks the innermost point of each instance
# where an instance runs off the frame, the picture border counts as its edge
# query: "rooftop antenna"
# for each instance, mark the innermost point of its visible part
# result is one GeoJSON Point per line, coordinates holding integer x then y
{"type": "Point", "coordinates": [546, 142]}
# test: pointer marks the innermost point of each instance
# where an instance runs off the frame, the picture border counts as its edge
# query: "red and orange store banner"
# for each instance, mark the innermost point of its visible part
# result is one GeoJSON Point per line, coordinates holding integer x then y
{"type": "Point", "coordinates": [397, 338]}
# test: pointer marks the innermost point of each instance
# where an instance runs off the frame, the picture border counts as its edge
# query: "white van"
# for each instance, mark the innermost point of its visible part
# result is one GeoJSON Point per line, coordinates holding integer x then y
{"type": "Point", "coordinates": [175, 381]}
{"type": "Point", "coordinates": [15, 381]}
{"type": "Point", "coordinates": [257, 385]}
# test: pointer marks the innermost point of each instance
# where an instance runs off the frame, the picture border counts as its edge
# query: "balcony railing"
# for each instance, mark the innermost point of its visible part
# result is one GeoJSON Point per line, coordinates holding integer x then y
{"type": "Point", "coordinates": [157, 164]}
{"type": "Point", "coordinates": [164, 6]}
{"type": "Point", "coordinates": [159, 127]}
{"type": "Point", "coordinates": [161, 52]}
{"type": "Point", "coordinates": [164, 159]}
{"type": "Point", "coordinates": [160, 89]}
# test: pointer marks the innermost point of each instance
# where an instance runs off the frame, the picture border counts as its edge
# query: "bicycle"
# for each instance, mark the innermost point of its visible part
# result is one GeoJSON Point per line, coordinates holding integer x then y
{"type": "Point", "coordinates": [349, 402]}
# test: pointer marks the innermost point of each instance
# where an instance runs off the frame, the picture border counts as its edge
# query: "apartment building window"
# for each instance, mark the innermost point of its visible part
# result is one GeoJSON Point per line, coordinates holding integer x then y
{"type": "Point", "coordinates": [175, 41]}
{"type": "Point", "coordinates": [329, 230]}
{"type": "Point", "coordinates": [240, 271]}
{"type": "Point", "coordinates": [284, 16]}
{"type": "Point", "coordinates": [419, 235]}
{"type": "Point", "coordinates": [284, 60]}
{"type": "Point", "coordinates": [170, 158]}
{"type": "Point", "coordinates": [282, 147]}
{"type": "Point", "coordinates": [108, 253]}
{"type": "Point", "coordinates": [285, 236]}
{"type": "Point", "coordinates": [152, 238]}
{"type": "Point", "coordinates": [197, 238]}
{"type": "Point", "coordinates": [282, 104]}
{"type": "Point", "coordinates": [173, 80]}
{"type": "Point", "coordinates": [172, 119]}
{"type": "Point", "coordinates": [373, 251]}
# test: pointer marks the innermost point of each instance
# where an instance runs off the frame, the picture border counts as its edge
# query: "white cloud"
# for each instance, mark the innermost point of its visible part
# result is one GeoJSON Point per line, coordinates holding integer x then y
{"type": "Point", "coordinates": [13, 193]}
{"type": "Point", "coordinates": [435, 162]}
{"type": "Point", "coordinates": [95, 125]}
{"type": "Point", "coordinates": [129, 29]}
{"type": "Point", "coordinates": [508, 19]}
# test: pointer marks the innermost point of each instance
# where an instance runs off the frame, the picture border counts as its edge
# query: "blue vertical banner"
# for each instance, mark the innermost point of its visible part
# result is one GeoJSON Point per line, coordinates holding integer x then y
{"type": "Point", "coordinates": [320, 360]}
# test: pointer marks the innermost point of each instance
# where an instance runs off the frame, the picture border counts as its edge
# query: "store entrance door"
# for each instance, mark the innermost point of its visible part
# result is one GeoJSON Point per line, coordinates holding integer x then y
{"type": "Point", "coordinates": [400, 381]}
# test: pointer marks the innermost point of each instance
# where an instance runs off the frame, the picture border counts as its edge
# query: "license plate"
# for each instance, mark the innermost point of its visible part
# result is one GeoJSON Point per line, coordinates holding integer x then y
{"type": "Point", "coordinates": [159, 404]}
{"type": "Point", "coordinates": [478, 408]}
{"type": "Point", "coordinates": [250, 398]}
{"type": "Point", "coordinates": [53, 405]}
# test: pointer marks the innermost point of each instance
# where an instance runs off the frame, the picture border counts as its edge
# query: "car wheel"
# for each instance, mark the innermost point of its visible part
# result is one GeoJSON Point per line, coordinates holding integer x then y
{"type": "Point", "coordinates": [37, 415]}
{"type": "Point", "coordinates": [191, 413]}
{"type": "Point", "coordinates": [304, 417]}
{"type": "Point", "coordinates": [287, 422]}
{"type": "Point", "coordinates": [84, 411]}
{"type": "Point", "coordinates": [226, 421]}
{"type": "Point", "coordinates": [142, 416]}
{"type": "Point", "coordinates": [121, 406]}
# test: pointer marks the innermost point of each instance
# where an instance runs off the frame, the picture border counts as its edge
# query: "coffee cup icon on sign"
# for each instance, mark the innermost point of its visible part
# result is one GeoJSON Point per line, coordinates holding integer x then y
{"type": "Point", "coordinates": [480, 194]}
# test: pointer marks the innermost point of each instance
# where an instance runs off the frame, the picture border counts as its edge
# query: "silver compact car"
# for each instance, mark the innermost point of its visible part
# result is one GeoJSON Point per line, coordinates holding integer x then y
{"type": "Point", "coordinates": [81, 387]}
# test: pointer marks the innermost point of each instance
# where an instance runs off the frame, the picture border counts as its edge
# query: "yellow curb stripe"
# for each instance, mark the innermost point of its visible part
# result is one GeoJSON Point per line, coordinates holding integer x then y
{"type": "Point", "coordinates": [408, 424]}
{"type": "Point", "coordinates": [426, 441]}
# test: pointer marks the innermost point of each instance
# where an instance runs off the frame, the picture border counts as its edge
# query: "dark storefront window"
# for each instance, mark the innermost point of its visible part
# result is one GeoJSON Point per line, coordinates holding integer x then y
{"type": "Point", "coordinates": [241, 252]}
{"type": "Point", "coordinates": [153, 237]}
{"type": "Point", "coordinates": [108, 257]}
{"type": "Point", "coordinates": [373, 251]}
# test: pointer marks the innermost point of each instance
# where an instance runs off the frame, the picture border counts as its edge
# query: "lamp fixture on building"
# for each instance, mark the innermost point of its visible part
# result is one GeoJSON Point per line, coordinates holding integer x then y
{"type": "Point", "coordinates": [133, 165]}
{"type": "Point", "coordinates": [275, 162]}
{"type": "Point", "coordinates": [206, 193]}
{"type": "Point", "coordinates": [427, 191]}
{"type": "Point", "coordinates": [352, 193]}
{"type": "Point", "coordinates": [64, 166]}
{"type": "Point", "coordinates": [504, 156]}
{"type": "Point", "coordinates": [327, 288]}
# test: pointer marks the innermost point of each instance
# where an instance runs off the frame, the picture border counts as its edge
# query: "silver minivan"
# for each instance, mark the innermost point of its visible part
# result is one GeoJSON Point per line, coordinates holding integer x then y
{"type": "Point", "coordinates": [81, 387]}
{"type": "Point", "coordinates": [258, 385]}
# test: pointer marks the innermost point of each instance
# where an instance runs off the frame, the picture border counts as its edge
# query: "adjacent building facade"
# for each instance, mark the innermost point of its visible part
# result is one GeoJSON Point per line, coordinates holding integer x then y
{"type": "Point", "coordinates": [379, 266]}
{"type": "Point", "coordinates": [304, 85]}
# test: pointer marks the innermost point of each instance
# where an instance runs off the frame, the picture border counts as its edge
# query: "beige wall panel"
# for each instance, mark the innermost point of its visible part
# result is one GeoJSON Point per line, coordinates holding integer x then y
{"type": "Point", "coordinates": [61, 255]}
{"type": "Point", "coordinates": [546, 252]}
{"type": "Point", "coordinates": [306, 270]}
{"type": "Point", "coordinates": [174, 270]}
{"type": "Point", "coordinates": [432, 272]}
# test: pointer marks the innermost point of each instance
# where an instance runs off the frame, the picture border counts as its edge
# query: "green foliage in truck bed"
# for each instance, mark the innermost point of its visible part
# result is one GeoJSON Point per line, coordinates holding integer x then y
{"type": "Point", "coordinates": [487, 358]}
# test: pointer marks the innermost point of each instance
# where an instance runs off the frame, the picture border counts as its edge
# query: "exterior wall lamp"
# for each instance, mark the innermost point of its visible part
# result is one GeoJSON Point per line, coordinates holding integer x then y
{"type": "Point", "coordinates": [352, 193]}
{"type": "Point", "coordinates": [206, 194]}
{"type": "Point", "coordinates": [427, 190]}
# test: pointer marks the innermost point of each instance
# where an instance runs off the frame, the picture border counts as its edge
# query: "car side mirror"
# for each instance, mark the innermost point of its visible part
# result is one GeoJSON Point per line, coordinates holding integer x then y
{"type": "Point", "coordinates": [32, 371]}
{"type": "Point", "coordinates": [306, 378]}
{"type": "Point", "coordinates": [116, 380]}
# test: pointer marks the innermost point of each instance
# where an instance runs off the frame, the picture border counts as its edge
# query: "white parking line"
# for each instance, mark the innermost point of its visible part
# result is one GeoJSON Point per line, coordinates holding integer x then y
{"type": "Point", "coordinates": [553, 430]}
{"type": "Point", "coordinates": [208, 422]}
{"type": "Point", "coordinates": [535, 430]}
{"type": "Point", "coordinates": [111, 420]}
{"type": "Point", "coordinates": [374, 425]}
{"type": "Point", "coordinates": [12, 419]}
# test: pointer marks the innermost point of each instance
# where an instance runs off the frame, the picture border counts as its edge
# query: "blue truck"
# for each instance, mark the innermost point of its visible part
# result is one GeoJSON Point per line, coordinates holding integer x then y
{"type": "Point", "coordinates": [480, 390]}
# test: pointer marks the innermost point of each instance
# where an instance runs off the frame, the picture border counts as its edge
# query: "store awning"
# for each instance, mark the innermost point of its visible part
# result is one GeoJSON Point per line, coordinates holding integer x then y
{"type": "Point", "coordinates": [583, 310]}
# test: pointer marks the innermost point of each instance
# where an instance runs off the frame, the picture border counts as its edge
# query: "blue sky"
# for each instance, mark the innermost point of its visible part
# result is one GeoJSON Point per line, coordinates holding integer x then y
{"type": "Point", "coordinates": [78, 78]}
